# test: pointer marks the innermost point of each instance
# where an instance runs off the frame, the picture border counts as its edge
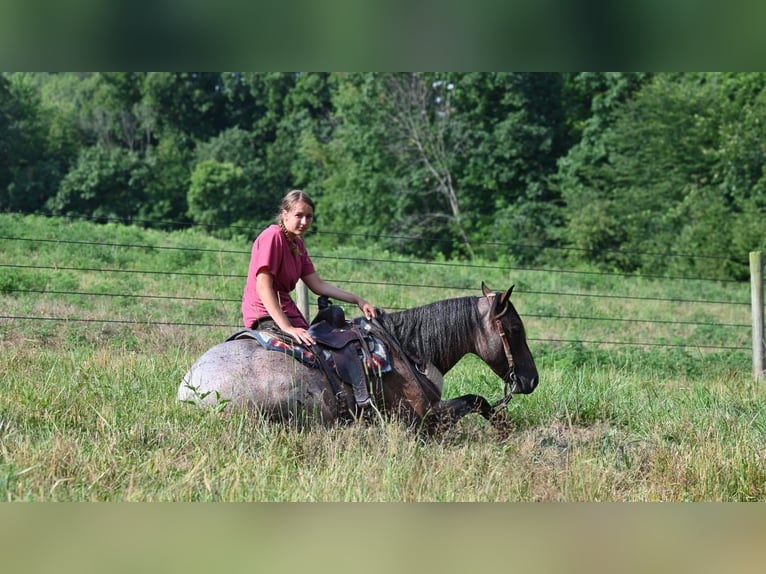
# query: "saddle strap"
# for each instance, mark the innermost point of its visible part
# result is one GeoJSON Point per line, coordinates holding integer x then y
{"type": "Point", "coordinates": [343, 400]}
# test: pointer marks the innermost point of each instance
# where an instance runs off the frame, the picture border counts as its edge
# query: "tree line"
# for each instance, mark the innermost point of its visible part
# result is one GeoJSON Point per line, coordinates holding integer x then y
{"type": "Point", "coordinates": [639, 172]}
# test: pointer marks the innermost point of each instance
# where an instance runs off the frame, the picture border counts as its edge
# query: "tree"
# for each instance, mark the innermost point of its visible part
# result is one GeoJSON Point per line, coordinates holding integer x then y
{"type": "Point", "coordinates": [32, 163]}
{"type": "Point", "coordinates": [217, 192]}
{"type": "Point", "coordinates": [10, 134]}
{"type": "Point", "coordinates": [517, 131]}
{"type": "Point", "coordinates": [679, 162]}
{"type": "Point", "coordinates": [359, 191]}
{"type": "Point", "coordinates": [105, 183]}
{"type": "Point", "coordinates": [452, 161]}
{"type": "Point", "coordinates": [393, 154]}
{"type": "Point", "coordinates": [428, 137]}
{"type": "Point", "coordinates": [115, 111]}
{"type": "Point", "coordinates": [166, 174]}
{"type": "Point", "coordinates": [190, 103]}
{"type": "Point", "coordinates": [289, 119]}
{"type": "Point", "coordinates": [235, 149]}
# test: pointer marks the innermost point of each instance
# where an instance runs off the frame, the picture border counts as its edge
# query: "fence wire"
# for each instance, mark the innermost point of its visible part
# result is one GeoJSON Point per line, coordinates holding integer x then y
{"type": "Point", "coordinates": [738, 328]}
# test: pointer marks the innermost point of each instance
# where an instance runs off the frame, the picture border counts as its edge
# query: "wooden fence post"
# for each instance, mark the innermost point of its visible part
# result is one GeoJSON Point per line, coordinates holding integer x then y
{"type": "Point", "coordinates": [302, 299]}
{"type": "Point", "coordinates": [756, 299]}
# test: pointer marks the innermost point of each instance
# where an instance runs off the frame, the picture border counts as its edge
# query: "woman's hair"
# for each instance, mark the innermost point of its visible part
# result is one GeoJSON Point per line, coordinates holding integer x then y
{"type": "Point", "coordinates": [291, 199]}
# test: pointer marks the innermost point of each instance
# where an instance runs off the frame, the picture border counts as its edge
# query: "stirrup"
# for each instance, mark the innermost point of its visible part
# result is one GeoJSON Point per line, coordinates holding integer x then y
{"type": "Point", "coordinates": [364, 404]}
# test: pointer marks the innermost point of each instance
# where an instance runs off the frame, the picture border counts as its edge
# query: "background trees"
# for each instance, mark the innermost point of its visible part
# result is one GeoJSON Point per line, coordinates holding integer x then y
{"type": "Point", "coordinates": [607, 169]}
{"type": "Point", "coordinates": [663, 177]}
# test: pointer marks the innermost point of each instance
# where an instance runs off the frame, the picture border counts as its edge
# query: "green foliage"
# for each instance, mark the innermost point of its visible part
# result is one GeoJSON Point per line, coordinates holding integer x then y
{"type": "Point", "coordinates": [516, 133]}
{"type": "Point", "coordinates": [190, 105]}
{"type": "Point", "coordinates": [165, 173]}
{"type": "Point", "coordinates": [33, 163]}
{"type": "Point", "coordinates": [115, 113]}
{"type": "Point", "coordinates": [748, 231]}
{"type": "Point", "coordinates": [608, 167]}
{"type": "Point", "coordinates": [105, 183]}
{"type": "Point", "coordinates": [667, 179]}
{"type": "Point", "coordinates": [233, 145]}
{"type": "Point", "coordinates": [217, 193]}
{"type": "Point", "coordinates": [357, 197]}
{"type": "Point", "coordinates": [15, 280]}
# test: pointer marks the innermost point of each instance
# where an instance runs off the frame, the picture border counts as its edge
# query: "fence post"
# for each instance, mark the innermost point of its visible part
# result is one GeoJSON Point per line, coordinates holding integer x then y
{"type": "Point", "coordinates": [302, 298]}
{"type": "Point", "coordinates": [756, 302]}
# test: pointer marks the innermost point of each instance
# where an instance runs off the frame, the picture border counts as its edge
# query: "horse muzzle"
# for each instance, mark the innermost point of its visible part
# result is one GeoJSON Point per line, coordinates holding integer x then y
{"type": "Point", "coordinates": [521, 383]}
{"type": "Point", "coordinates": [527, 384]}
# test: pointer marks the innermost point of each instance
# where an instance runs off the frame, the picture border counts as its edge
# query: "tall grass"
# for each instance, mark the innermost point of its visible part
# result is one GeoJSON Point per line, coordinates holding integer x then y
{"type": "Point", "coordinates": [88, 409]}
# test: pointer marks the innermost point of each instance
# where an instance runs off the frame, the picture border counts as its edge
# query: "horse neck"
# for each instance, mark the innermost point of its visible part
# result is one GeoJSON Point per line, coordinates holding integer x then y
{"type": "Point", "coordinates": [441, 333]}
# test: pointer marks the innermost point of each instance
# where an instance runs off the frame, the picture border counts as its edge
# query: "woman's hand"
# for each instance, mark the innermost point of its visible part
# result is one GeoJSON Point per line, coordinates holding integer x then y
{"type": "Point", "coordinates": [368, 310]}
{"type": "Point", "coordinates": [301, 335]}
{"type": "Point", "coordinates": [322, 287]}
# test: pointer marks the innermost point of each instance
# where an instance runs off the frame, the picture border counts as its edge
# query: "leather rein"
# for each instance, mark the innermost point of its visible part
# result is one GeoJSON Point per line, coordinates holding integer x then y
{"type": "Point", "coordinates": [510, 379]}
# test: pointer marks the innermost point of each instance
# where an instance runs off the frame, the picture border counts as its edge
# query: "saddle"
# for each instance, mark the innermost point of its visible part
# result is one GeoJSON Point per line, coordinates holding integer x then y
{"type": "Point", "coordinates": [343, 352]}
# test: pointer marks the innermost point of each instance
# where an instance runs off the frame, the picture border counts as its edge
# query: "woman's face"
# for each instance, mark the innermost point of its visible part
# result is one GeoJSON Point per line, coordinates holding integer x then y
{"type": "Point", "coordinates": [298, 219]}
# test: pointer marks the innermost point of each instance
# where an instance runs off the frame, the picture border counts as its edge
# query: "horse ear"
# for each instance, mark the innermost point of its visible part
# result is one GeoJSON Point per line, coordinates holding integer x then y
{"type": "Point", "coordinates": [486, 290]}
{"type": "Point", "coordinates": [507, 295]}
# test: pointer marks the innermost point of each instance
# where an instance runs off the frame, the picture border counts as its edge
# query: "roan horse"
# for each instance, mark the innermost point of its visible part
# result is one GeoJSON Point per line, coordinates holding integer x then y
{"type": "Point", "coordinates": [423, 343]}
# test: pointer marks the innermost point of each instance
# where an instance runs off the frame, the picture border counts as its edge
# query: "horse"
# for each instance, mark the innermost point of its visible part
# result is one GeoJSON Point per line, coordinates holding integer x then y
{"type": "Point", "coordinates": [423, 343]}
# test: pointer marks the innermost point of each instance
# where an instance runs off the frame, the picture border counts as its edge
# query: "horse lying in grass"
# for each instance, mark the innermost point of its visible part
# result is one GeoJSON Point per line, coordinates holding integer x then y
{"type": "Point", "coordinates": [301, 386]}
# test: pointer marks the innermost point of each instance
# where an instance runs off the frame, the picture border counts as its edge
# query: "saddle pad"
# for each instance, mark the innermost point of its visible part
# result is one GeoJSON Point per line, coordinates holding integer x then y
{"type": "Point", "coordinates": [272, 343]}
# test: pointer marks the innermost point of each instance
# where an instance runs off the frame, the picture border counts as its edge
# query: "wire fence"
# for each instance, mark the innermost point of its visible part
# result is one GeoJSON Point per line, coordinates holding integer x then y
{"type": "Point", "coordinates": [614, 312]}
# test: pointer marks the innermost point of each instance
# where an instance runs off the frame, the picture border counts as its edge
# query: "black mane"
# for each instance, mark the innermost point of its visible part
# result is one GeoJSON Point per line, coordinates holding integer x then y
{"type": "Point", "coordinates": [438, 332]}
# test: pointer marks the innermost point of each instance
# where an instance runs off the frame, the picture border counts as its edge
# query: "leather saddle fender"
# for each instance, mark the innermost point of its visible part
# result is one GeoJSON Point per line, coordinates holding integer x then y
{"type": "Point", "coordinates": [344, 345]}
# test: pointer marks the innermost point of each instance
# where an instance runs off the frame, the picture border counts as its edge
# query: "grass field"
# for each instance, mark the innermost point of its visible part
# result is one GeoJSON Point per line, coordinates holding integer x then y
{"type": "Point", "coordinates": [99, 323]}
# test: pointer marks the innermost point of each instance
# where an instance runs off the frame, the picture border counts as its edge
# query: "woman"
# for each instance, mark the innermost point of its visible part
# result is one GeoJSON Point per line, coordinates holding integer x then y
{"type": "Point", "coordinates": [278, 259]}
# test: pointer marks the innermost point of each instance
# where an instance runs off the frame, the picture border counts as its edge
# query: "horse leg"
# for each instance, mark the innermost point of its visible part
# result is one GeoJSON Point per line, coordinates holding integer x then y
{"type": "Point", "coordinates": [445, 414]}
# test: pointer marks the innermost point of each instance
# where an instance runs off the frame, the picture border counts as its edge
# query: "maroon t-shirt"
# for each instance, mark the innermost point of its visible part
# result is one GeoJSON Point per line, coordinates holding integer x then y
{"type": "Point", "coordinates": [271, 252]}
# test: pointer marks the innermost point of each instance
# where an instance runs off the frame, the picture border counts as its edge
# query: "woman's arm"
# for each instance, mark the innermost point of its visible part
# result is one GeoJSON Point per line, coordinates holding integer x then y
{"type": "Point", "coordinates": [322, 287]}
{"type": "Point", "coordinates": [264, 285]}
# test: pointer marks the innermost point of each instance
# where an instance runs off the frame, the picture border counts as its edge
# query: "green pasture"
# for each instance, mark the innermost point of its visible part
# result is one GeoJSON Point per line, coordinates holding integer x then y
{"type": "Point", "coordinates": [98, 324]}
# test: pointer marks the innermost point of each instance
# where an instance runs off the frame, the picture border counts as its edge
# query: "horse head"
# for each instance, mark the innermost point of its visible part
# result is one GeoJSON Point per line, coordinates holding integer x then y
{"type": "Point", "coordinates": [507, 352]}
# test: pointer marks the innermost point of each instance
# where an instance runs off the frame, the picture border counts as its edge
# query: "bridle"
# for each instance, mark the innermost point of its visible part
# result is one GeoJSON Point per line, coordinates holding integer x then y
{"type": "Point", "coordinates": [510, 379]}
